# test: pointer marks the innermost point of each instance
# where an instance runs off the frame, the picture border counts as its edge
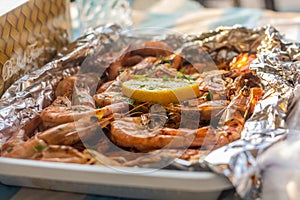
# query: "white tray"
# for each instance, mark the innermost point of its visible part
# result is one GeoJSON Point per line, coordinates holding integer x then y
{"type": "Point", "coordinates": [120, 182]}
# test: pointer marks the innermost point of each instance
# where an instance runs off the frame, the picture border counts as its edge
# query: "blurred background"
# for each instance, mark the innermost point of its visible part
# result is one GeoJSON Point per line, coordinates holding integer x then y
{"type": "Point", "coordinates": [188, 16]}
{"type": "Point", "coordinates": [278, 5]}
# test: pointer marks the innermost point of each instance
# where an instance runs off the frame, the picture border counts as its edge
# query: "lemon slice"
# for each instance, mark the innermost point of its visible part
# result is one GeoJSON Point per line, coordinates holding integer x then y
{"type": "Point", "coordinates": [160, 91]}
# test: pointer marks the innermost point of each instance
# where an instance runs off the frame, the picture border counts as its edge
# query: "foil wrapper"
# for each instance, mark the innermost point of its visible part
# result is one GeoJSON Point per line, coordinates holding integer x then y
{"type": "Point", "coordinates": [278, 67]}
{"type": "Point", "coordinates": [276, 64]}
{"type": "Point", "coordinates": [23, 100]}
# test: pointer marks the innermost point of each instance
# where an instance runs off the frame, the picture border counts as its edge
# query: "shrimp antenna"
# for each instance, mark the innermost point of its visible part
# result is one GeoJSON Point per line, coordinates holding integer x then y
{"type": "Point", "coordinates": [135, 108]}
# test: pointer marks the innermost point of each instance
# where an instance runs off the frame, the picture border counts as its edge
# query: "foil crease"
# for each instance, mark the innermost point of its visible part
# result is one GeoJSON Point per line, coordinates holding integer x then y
{"type": "Point", "coordinates": [278, 67]}
{"type": "Point", "coordinates": [277, 64]}
{"type": "Point", "coordinates": [26, 98]}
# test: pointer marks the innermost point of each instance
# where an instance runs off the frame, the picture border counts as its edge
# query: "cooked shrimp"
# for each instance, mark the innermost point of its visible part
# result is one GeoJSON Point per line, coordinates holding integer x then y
{"type": "Point", "coordinates": [130, 132]}
{"type": "Point", "coordinates": [62, 101]}
{"type": "Point", "coordinates": [144, 66]}
{"type": "Point", "coordinates": [69, 133]}
{"type": "Point", "coordinates": [66, 154]}
{"type": "Point", "coordinates": [81, 96]}
{"type": "Point", "coordinates": [86, 82]}
{"type": "Point", "coordinates": [65, 87]}
{"type": "Point", "coordinates": [38, 150]}
{"type": "Point", "coordinates": [104, 86]}
{"type": "Point", "coordinates": [55, 115]}
{"type": "Point", "coordinates": [26, 149]}
{"type": "Point", "coordinates": [192, 114]}
{"type": "Point", "coordinates": [241, 62]}
{"type": "Point", "coordinates": [113, 93]}
{"type": "Point", "coordinates": [232, 121]}
{"type": "Point", "coordinates": [21, 135]}
{"type": "Point", "coordinates": [132, 60]}
{"type": "Point", "coordinates": [60, 115]}
{"type": "Point", "coordinates": [141, 57]}
{"type": "Point", "coordinates": [154, 48]}
{"type": "Point", "coordinates": [108, 98]}
{"type": "Point", "coordinates": [173, 60]}
{"type": "Point", "coordinates": [64, 134]}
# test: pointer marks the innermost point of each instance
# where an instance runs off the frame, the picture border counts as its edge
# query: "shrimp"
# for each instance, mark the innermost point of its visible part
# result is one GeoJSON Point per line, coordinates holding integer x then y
{"type": "Point", "coordinates": [39, 150]}
{"type": "Point", "coordinates": [81, 96]}
{"type": "Point", "coordinates": [83, 82]}
{"type": "Point", "coordinates": [25, 149]}
{"type": "Point", "coordinates": [190, 155]}
{"type": "Point", "coordinates": [56, 115]}
{"type": "Point", "coordinates": [153, 48]}
{"type": "Point", "coordinates": [173, 61]}
{"type": "Point", "coordinates": [130, 132]}
{"type": "Point", "coordinates": [187, 114]}
{"type": "Point", "coordinates": [63, 135]}
{"type": "Point", "coordinates": [134, 55]}
{"type": "Point", "coordinates": [70, 130]}
{"type": "Point", "coordinates": [232, 121]}
{"type": "Point", "coordinates": [241, 63]}
{"type": "Point", "coordinates": [113, 93]}
{"type": "Point", "coordinates": [66, 154]}
{"type": "Point", "coordinates": [21, 135]}
{"type": "Point", "coordinates": [104, 86]}
{"type": "Point", "coordinates": [65, 87]}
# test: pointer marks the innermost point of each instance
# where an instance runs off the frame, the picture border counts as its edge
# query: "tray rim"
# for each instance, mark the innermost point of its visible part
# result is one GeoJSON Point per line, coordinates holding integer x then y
{"type": "Point", "coordinates": [103, 175]}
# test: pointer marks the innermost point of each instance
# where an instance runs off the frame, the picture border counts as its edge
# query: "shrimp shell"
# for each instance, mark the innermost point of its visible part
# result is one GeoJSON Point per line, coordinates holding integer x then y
{"type": "Point", "coordinates": [129, 132]}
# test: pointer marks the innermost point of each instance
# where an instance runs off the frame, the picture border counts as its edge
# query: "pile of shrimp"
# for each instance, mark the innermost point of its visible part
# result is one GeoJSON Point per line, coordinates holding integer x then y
{"type": "Point", "coordinates": [92, 122]}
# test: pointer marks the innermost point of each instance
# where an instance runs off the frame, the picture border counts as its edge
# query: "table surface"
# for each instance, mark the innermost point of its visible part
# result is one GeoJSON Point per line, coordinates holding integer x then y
{"type": "Point", "coordinates": [182, 17]}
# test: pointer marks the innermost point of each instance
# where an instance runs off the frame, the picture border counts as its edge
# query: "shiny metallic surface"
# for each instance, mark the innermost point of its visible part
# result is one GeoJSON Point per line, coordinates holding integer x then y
{"type": "Point", "coordinates": [25, 99]}
{"type": "Point", "coordinates": [277, 65]}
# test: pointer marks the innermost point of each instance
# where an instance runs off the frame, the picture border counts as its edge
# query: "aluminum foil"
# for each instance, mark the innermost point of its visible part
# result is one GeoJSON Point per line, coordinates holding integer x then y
{"type": "Point", "coordinates": [35, 91]}
{"type": "Point", "coordinates": [276, 65]}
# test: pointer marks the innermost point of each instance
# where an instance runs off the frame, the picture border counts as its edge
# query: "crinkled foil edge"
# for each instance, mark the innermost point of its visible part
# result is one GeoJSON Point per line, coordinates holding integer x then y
{"type": "Point", "coordinates": [23, 100]}
{"type": "Point", "coordinates": [276, 64]}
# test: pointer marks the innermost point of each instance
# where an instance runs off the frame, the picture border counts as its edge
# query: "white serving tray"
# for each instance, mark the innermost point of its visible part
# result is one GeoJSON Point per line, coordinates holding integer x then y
{"type": "Point", "coordinates": [120, 182]}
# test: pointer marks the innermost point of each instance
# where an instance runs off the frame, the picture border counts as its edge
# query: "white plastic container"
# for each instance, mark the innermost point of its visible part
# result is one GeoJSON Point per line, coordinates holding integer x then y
{"type": "Point", "coordinates": [157, 184]}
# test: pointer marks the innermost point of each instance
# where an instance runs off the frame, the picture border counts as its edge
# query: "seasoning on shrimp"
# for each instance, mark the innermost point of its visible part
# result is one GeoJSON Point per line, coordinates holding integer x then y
{"type": "Point", "coordinates": [150, 101]}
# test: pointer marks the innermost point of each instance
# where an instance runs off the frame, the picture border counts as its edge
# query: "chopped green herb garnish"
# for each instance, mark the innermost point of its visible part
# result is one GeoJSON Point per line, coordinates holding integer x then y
{"type": "Point", "coordinates": [165, 78]}
{"type": "Point", "coordinates": [40, 148]}
{"type": "Point", "coordinates": [130, 101]}
{"type": "Point", "coordinates": [138, 76]}
{"type": "Point", "coordinates": [143, 85]}
{"type": "Point", "coordinates": [179, 75]}
{"type": "Point", "coordinates": [120, 71]}
{"type": "Point", "coordinates": [209, 96]}
{"type": "Point", "coordinates": [187, 77]}
{"type": "Point", "coordinates": [182, 71]}
{"type": "Point", "coordinates": [151, 88]}
{"type": "Point", "coordinates": [139, 109]}
{"type": "Point", "coordinates": [166, 60]}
